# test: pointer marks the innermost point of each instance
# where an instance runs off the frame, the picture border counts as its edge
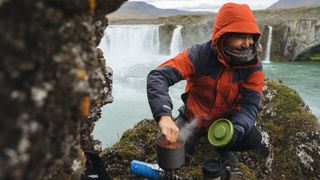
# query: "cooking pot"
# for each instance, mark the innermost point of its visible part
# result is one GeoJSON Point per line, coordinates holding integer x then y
{"type": "Point", "coordinates": [170, 155]}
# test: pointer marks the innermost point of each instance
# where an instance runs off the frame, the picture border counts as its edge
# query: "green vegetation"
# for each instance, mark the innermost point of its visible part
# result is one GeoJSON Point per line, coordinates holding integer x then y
{"type": "Point", "coordinates": [313, 54]}
{"type": "Point", "coordinates": [247, 172]}
{"type": "Point", "coordinates": [287, 116]}
{"type": "Point", "coordinates": [135, 144]}
{"type": "Point", "coordinates": [315, 57]}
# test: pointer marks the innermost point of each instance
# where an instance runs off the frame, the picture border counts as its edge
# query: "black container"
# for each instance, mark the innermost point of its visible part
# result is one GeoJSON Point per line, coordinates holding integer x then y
{"type": "Point", "coordinates": [170, 158]}
{"type": "Point", "coordinates": [211, 169]}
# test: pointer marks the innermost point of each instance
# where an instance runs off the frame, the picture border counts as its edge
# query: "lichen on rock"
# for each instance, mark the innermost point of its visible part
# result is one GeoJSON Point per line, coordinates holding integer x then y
{"type": "Point", "coordinates": [290, 146]}
{"type": "Point", "coordinates": [53, 83]}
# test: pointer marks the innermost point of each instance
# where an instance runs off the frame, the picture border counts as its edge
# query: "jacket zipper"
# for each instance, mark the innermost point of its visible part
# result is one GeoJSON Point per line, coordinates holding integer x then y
{"type": "Point", "coordinates": [222, 70]}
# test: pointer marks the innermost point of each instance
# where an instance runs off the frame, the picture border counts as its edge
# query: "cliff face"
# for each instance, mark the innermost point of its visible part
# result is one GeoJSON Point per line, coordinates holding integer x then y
{"type": "Point", "coordinates": [53, 81]}
{"type": "Point", "coordinates": [296, 32]}
{"type": "Point", "coordinates": [290, 146]}
{"type": "Point", "coordinates": [291, 39]}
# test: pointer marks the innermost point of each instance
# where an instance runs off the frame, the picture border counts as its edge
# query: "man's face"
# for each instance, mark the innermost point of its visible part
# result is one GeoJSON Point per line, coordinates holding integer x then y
{"type": "Point", "coordinates": [239, 41]}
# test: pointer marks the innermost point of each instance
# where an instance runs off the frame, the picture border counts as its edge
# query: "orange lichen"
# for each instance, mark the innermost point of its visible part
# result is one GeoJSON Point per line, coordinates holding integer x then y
{"type": "Point", "coordinates": [92, 6]}
{"type": "Point", "coordinates": [82, 74]}
{"type": "Point", "coordinates": [85, 106]}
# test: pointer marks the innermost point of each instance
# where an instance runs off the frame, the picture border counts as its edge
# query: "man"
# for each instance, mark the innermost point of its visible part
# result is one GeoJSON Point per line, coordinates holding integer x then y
{"type": "Point", "coordinates": [224, 79]}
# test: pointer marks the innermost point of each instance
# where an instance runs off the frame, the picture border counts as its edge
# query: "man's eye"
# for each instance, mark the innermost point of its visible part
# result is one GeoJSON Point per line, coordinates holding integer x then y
{"type": "Point", "coordinates": [239, 37]}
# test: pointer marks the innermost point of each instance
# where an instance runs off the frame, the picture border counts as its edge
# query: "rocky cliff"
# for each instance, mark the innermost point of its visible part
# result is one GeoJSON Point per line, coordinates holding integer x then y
{"type": "Point", "coordinates": [296, 32]}
{"type": "Point", "coordinates": [293, 39]}
{"type": "Point", "coordinates": [53, 82]}
{"type": "Point", "coordinates": [290, 146]}
{"type": "Point", "coordinates": [295, 35]}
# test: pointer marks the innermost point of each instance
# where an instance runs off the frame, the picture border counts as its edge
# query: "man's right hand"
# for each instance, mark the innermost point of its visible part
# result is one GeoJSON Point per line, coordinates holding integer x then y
{"type": "Point", "coordinates": [169, 128]}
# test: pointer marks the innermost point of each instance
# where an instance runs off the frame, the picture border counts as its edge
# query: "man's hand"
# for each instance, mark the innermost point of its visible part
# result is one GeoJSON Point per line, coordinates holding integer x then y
{"type": "Point", "coordinates": [234, 140]}
{"type": "Point", "coordinates": [169, 129]}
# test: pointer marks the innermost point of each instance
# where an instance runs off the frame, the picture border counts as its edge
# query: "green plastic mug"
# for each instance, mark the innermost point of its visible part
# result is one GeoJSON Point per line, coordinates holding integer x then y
{"type": "Point", "coordinates": [220, 132]}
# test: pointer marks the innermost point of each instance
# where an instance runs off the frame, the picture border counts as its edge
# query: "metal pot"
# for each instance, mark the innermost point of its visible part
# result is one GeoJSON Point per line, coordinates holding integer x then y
{"type": "Point", "coordinates": [211, 169]}
{"type": "Point", "coordinates": [170, 156]}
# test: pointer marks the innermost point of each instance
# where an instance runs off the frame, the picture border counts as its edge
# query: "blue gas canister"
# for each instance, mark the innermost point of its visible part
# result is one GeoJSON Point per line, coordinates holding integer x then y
{"type": "Point", "coordinates": [151, 171]}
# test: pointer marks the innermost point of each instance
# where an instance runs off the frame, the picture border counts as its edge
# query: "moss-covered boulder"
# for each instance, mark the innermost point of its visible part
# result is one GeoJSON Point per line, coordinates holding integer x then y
{"type": "Point", "coordinates": [291, 137]}
{"type": "Point", "coordinates": [290, 147]}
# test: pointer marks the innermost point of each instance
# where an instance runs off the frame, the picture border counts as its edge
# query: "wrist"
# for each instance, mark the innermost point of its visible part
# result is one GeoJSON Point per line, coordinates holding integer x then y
{"type": "Point", "coordinates": [165, 119]}
{"type": "Point", "coordinates": [158, 117]}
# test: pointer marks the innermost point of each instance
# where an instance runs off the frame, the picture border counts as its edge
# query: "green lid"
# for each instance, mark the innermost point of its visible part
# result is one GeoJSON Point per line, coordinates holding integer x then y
{"type": "Point", "coordinates": [220, 132]}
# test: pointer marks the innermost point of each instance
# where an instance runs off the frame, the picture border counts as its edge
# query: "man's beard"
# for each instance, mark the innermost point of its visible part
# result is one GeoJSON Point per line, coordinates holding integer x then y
{"type": "Point", "coordinates": [240, 56]}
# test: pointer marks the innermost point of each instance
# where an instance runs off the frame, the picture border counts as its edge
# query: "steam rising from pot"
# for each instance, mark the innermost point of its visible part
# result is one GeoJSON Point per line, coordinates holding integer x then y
{"type": "Point", "coordinates": [187, 130]}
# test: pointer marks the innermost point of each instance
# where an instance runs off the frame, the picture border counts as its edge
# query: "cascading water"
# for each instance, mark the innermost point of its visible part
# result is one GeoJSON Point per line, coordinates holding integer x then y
{"type": "Point", "coordinates": [176, 41]}
{"type": "Point", "coordinates": [124, 44]}
{"type": "Point", "coordinates": [268, 50]}
{"type": "Point", "coordinates": [132, 51]}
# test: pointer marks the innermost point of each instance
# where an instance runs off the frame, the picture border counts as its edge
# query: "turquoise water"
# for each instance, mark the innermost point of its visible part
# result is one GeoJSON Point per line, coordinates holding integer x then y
{"type": "Point", "coordinates": [130, 99]}
{"type": "Point", "coordinates": [301, 76]}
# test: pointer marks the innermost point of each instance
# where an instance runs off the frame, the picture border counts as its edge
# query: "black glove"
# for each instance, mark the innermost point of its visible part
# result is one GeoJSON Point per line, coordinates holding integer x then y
{"type": "Point", "coordinates": [235, 138]}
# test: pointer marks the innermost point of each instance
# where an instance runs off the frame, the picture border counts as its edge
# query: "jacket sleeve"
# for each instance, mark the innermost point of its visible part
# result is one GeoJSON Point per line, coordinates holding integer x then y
{"type": "Point", "coordinates": [160, 79]}
{"type": "Point", "coordinates": [247, 108]}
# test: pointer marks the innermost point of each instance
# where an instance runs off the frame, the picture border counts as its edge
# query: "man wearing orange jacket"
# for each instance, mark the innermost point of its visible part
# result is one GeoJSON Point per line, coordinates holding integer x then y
{"type": "Point", "coordinates": [224, 79]}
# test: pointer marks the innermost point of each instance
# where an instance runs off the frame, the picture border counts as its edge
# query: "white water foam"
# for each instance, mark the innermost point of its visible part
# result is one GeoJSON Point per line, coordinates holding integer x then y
{"type": "Point", "coordinates": [176, 41]}
{"type": "Point", "coordinates": [268, 50]}
{"type": "Point", "coordinates": [128, 45]}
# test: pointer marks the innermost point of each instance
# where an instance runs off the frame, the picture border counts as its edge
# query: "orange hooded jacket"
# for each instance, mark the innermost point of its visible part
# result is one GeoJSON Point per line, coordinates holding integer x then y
{"type": "Point", "coordinates": [214, 88]}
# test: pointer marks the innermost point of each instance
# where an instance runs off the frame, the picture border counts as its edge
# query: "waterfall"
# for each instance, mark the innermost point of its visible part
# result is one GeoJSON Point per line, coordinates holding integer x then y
{"type": "Point", "coordinates": [268, 50]}
{"type": "Point", "coordinates": [131, 40]}
{"type": "Point", "coordinates": [127, 45]}
{"type": "Point", "coordinates": [176, 41]}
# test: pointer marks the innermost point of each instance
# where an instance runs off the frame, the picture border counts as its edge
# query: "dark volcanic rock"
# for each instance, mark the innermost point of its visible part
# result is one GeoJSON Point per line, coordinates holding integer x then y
{"type": "Point", "coordinates": [290, 148]}
{"type": "Point", "coordinates": [51, 77]}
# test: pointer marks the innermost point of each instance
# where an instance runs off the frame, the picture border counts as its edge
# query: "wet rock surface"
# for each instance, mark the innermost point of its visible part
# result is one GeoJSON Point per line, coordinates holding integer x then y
{"type": "Point", "coordinates": [53, 82]}
{"type": "Point", "coordinates": [290, 146]}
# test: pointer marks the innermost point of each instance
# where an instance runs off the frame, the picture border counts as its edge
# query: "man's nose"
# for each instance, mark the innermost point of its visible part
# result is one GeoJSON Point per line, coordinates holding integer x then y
{"type": "Point", "coordinates": [247, 42]}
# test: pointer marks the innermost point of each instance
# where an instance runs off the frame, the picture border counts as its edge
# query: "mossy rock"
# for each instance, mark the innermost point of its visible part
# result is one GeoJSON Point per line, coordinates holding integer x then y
{"type": "Point", "coordinates": [290, 131]}
{"type": "Point", "coordinates": [290, 147]}
{"type": "Point", "coordinates": [138, 143]}
{"type": "Point", "coordinates": [312, 54]}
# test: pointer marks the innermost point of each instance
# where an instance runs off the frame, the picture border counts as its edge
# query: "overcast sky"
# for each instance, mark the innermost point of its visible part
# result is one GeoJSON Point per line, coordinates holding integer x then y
{"type": "Point", "coordinates": [206, 5]}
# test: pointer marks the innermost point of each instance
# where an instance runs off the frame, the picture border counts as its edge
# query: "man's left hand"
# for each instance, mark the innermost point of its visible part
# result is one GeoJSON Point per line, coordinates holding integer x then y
{"type": "Point", "coordinates": [234, 140]}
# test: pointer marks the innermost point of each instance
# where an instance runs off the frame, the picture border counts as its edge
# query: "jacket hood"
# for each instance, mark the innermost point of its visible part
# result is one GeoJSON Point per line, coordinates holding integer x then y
{"type": "Point", "coordinates": [233, 18]}
{"type": "Point", "coordinates": [236, 18]}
